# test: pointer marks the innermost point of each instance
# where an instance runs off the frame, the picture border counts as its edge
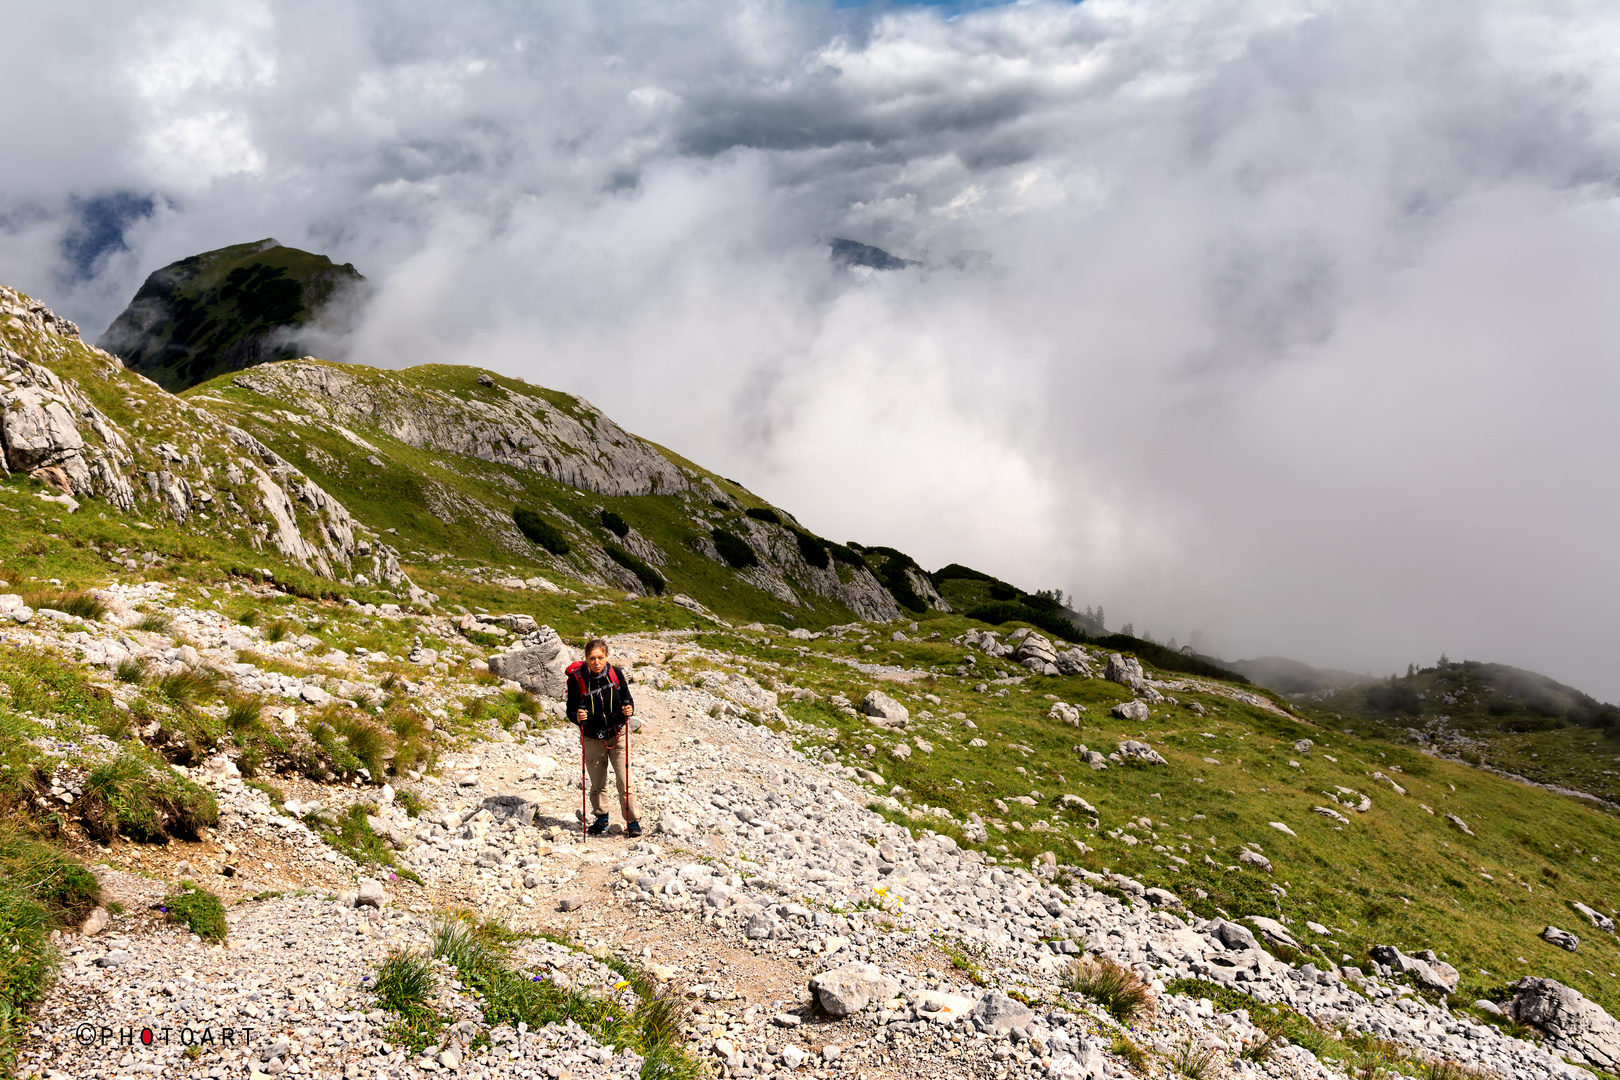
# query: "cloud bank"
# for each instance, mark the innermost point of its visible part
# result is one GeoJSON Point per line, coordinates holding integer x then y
{"type": "Point", "coordinates": [1287, 323]}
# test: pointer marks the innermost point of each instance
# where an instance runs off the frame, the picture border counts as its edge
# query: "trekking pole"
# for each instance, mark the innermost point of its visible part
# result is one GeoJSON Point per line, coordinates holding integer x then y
{"type": "Point", "coordinates": [627, 770]}
{"type": "Point", "coordinates": [582, 783]}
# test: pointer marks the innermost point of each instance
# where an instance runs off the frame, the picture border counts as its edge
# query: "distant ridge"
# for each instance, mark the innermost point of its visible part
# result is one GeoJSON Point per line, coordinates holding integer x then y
{"type": "Point", "coordinates": [855, 253]}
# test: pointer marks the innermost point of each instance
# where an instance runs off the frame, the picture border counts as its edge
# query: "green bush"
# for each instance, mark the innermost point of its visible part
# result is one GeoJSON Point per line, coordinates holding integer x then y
{"type": "Point", "coordinates": [765, 514]}
{"type": "Point", "coordinates": [812, 550]}
{"type": "Point", "coordinates": [956, 571]}
{"type": "Point", "coordinates": [145, 802]}
{"type": "Point", "coordinates": [198, 909]}
{"type": "Point", "coordinates": [845, 554]}
{"type": "Point", "coordinates": [614, 524]}
{"type": "Point", "coordinates": [652, 579]}
{"type": "Point", "coordinates": [734, 549]}
{"type": "Point", "coordinates": [540, 531]}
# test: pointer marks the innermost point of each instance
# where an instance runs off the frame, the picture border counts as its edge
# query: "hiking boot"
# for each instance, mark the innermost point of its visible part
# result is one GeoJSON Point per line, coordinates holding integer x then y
{"type": "Point", "coordinates": [599, 826]}
{"type": "Point", "coordinates": [633, 829]}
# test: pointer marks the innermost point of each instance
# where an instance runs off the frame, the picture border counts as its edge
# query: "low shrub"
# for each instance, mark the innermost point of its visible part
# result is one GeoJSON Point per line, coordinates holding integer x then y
{"type": "Point", "coordinates": [614, 524]}
{"type": "Point", "coordinates": [540, 531]}
{"type": "Point", "coordinates": [652, 579]}
{"type": "Point", "coordinates": [845, 554]}
{"type": "Point", "coordinates": [812, 549]}
{"type": "Point", "coordinates": [765, 514]}
{"type": "Point", "coordinates": [197, 908]}
{"type": "Point", "coordinates": [734, 549]}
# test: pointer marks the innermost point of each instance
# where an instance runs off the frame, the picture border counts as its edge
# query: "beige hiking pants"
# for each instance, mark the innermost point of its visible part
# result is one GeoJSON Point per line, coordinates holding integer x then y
{"type": "Point", "coordinates": [598, 752]}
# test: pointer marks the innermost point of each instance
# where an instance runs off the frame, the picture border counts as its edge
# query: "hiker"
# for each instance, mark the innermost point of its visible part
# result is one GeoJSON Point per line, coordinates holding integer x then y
{"type": "Point", "coordinates": [599, 702]}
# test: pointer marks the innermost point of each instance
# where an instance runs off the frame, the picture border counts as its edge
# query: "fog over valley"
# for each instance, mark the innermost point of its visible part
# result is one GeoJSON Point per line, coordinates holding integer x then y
{"type": "Point", "coordinates": [1291, 324]}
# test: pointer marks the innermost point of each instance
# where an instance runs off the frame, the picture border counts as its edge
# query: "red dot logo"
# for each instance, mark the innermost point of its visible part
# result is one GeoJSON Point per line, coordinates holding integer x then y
{"type": "Point", "coordinates": [146, 1036]}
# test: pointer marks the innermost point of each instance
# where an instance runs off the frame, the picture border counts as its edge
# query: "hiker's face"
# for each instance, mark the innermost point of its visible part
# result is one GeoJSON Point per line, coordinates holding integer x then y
{"type": "Point", "coordinates": [596, 661]}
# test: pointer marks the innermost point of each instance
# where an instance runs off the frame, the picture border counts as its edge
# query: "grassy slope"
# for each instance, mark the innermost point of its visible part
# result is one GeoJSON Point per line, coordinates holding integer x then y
{"type": "Point", "coordinates": [397, 495]}
{"type": "Point", "coordinates": [1398, 874]}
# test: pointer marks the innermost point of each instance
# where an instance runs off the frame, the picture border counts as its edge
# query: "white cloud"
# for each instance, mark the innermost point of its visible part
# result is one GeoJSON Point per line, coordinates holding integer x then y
{"type": "Point", "coordinates": [1287, 322]}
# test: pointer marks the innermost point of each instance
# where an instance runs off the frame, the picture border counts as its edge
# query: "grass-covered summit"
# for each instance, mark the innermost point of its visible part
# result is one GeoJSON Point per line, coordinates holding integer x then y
{"type": "Point", "coordinates": [226, 310]}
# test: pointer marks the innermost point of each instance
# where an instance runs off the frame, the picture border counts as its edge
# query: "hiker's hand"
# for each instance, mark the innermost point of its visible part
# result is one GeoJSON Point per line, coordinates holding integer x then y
{"type": "Point", "coordinates": [627, 710]}
{"type": "Point", "coordinates": [580, 717]}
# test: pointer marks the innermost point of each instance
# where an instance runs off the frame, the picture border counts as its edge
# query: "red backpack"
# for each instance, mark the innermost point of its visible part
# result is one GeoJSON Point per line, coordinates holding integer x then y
{"type": "Point", "coordinates": [576, 671]}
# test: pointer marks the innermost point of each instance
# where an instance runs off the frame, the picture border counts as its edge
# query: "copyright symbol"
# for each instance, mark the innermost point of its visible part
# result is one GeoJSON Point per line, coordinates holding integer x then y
{"type": "Point", "coordinates": [86, 1034]}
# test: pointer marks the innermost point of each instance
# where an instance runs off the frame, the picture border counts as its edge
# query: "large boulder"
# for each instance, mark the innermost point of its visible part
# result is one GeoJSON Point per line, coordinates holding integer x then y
{"type": "Point", "coordinates": [998, 1013]}
{"type": "Point", "coordinates": [1130, 710]}
{"type": "Point", "coordinates": [539, 664]}
{"type": "Point", "coordinates": [1575, 1026]}
{"type": "Point", "coordinates": [1125, 672]}
{"type": "Point", "coordinates": [1429, 970]}
{"type": "Point", "coordinates": [1035, 647]}
{"type": "Point", "coordinates": [847, 990]}
{"type": "Point", "coordinates": [1230, 935]}
{"type": "Point", "coordinates": [881, 706]}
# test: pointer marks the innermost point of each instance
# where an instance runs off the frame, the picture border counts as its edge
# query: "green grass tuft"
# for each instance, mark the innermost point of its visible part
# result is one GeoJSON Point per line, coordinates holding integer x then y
{"type": "Point", "coordinates": [144, 801]}
{"type": "Point", "coordinates": [198, 909]}
{"type": "Point", "coordinates": [1112, 986]}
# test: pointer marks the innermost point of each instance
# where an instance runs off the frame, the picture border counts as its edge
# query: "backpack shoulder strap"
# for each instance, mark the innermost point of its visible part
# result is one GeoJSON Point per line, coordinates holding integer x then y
{"type": "Point", "coordinates": [613, 675]}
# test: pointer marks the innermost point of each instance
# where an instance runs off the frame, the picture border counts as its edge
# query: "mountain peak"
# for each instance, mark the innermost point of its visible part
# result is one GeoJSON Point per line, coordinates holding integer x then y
{"type": "Point", "coordinates": [229, 309]}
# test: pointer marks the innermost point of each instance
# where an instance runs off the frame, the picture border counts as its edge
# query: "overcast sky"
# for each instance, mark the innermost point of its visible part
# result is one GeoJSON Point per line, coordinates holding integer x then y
{"type": "Point", "coordinates": [1295, 324]}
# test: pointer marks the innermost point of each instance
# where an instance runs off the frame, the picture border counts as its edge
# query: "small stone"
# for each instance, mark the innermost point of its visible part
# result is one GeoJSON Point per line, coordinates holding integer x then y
{"type": "Point", "coordinates": [370, 894]}
{"type": "Point", "coordinates": [95, 923]}
{"type": "Point", "coordinates": [570, 903]}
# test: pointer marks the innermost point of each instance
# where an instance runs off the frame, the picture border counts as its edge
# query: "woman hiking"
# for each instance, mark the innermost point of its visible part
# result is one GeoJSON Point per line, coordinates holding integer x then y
{"type": "Point", "coordinates": [599, 702]}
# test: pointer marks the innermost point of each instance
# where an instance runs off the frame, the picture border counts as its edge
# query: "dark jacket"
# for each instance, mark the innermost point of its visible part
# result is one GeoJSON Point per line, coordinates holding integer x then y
{"type": "Point", "coordinates": [602, 701]}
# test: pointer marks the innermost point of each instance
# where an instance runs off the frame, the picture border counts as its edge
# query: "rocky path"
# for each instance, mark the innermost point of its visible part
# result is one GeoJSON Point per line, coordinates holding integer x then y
{"type": "Point", "coordinates": [761, 872]}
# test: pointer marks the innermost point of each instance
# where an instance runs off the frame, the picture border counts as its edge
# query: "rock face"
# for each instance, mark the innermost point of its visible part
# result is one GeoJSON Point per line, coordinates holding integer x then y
{"type": "Point", "coordinates": [40, 417]}
{"type": "Point", "coordinates": [1574, 1025]}
{"type": "Point", "coordinates": [847, 990]}
{"type": "Point", "coordinates": [1125, 672]}
{"type": "Point", "coordinates": [569, 440]}
{"type": "Point", "coordinates": [539, 664]}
